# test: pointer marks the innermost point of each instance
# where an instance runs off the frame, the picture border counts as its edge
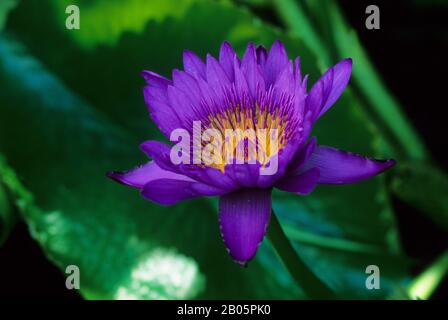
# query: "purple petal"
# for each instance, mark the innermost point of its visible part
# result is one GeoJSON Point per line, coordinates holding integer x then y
{"type": "Point", "coordinates": [193, 64]}
{"type": "Point", "coordinates": [278, 166]}
{"type": "Point", "coordinates": [342, 72]}
{"type": "Point", "coordinates": [275, 63]}
{"type": "Point", "coordinates": [302, 183]}
{"type": "Point", "coordinates": [188, 84]}
{"type": "Point", "coordinates": [183, 106]}
{"type": "Point", "coordinates": [209, 98]}
{"type": "Point", "coordinates": [329, 87]}
{"type": "Point", "coordinates": [217, 79]}
{"type": "Point", "coordinates": [155, 80]}
{"type": "Point", "coordinates": [252, 71]}
{"type": "Point", "coordinates": [142, 175]}
{"type": "Point", "coordinates": [211, 176]}
{"type": "Point", "coordinates": [262, 56]}
{"type": "Point", "coordinates": [245, 175]}
{"type": "Point", "coordinates": [244, 217]}
{"type": "Point", "coordinates": [171, 191]}
{"type": "Point", "coordinates": [156, 98]}
{"type": "Point", "coordinates": [319, 93]}
{"type": "Point", "coordinates": [166, 183]}
{"type": "Point", "coordinates": [160, 153]}
{"type": "Point", "coordinates": [338, 167]}
{"type": "Point", "coordinates": [301, 156]}
{"type": "Point", "coordinates": [226, 58]}
{"type": "Point", "coordinates": [242, 89]}
{"type": "Point", "coordinates": [154, 148]}
{"type": "Point", "coordinates": [285, 80]}
{"type": "Point", "coordinates": [299, 89]}
{"type": "Point", "coordinates": [297, 72]}
{"type": "Point", "coordinates": [161, 113]}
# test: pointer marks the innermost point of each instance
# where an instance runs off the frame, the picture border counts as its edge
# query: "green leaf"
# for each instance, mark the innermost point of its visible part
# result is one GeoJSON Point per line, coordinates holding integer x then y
{"type": "Point", "coordinates": [424, 187]}
{"type": "Point", "coordinates": [97, 25]}
{"type": "Point", "coordinates": [5, 7]}
{"type": "Point", "coordinates": [296, 19]}
{"type": "Point", "coordinates": [106, 83]}
{"type": "Point", "coordinates": [424, 285]}
{"type": "Point", "coordinates": [7, 212]}
{"type": "Point", "coordinates": [125, 246]}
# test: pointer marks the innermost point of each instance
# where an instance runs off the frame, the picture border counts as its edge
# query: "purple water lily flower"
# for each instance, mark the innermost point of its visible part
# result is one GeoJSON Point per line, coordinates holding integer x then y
{"type": "Point", "coordinates": [261, 91]}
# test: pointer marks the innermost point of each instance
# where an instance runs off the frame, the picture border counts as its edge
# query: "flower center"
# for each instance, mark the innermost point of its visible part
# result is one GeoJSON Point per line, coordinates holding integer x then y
{"type": "Point", "coordinates": [243, 135]}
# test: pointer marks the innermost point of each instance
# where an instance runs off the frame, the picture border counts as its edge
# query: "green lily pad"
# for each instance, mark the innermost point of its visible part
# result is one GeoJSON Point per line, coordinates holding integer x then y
{"type": "Point", "coordinates": [124, 246]}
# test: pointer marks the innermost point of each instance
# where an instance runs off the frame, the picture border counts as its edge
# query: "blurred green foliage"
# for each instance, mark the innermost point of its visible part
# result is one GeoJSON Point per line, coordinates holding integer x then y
{"type": "Point", "coordinates": [423, 187]}
{"type": "Point", "coordinates": [7, 217]}
{"type": "Point", "coordinates": [71, 108]}
{"type": "Point", "coordinates": [5, 6]}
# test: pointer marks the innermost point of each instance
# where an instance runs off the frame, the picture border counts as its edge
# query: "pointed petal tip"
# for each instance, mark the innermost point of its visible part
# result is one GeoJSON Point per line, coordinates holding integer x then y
{"type": "Point", "coordinates": [190, 54]}
{"type": "Point", "coordinates": [155, 80]}
{"type": "Point", "coordinates": [144, 146]}
{"type": "Point", "coordinates": [251, 46]}
{"type": "Point", "coordinates": [226, 44]}
{"type": "Point", "coordinates": [193, 64]}
{"type": "Point", "coordinates": [278, 45]}
{"type": "Point", "coordinates": [277, 42]}
{"type": "Point", "coordinates": [187, 52]}
{"type": "Point", "coordinates": [226, 52]}
{"type": "Point", "coordinates": [121, 178]}
{"type": "Point", "coordinates": [175, 72]}
{"type": "Point", "coordinates": [327, 90]}
{"type": "Point", "coordinates": [144, 73]}
{"type": "Point", "coordinates": [388, 163]}
{"type": "Point", "coordinates": [243, 264]}
{"type": "Point", "coordinates": [115, 175]}
{"type": "Point", "coordinates": [348, 63]}
{"type": "Point", "coordinates": [384, 164]}
{"type": "Point", "coordinates": [148, 75]}
{"type": "Point", "coordinates": [238, 261]}
{"type": "Point", "coordinates": [210, 60]}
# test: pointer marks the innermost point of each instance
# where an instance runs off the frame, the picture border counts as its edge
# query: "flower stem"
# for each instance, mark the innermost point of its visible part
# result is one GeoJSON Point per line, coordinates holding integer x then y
{"type": "Point", "coordinates": [313, 287]}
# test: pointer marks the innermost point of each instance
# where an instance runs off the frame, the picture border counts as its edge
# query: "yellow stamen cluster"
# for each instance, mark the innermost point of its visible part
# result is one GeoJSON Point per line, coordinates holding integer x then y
{"type": "Point", "coordinates": [246, 135]}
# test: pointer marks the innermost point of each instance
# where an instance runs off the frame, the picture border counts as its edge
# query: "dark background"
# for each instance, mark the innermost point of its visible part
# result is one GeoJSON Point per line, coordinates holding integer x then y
{"type": "Point", "coordinates": [410, 52]}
